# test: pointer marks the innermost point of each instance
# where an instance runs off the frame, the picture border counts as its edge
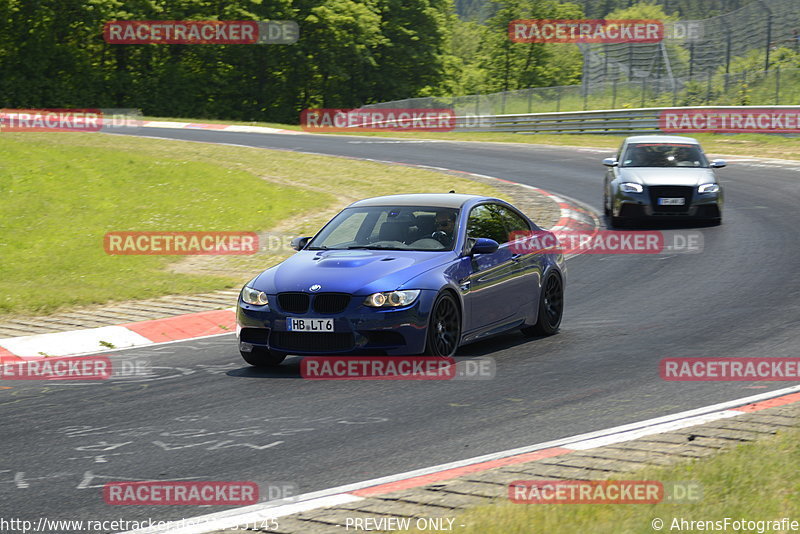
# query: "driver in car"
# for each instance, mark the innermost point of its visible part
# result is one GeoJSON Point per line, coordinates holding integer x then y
{"type": "Point", "coordinates": [445, 227]}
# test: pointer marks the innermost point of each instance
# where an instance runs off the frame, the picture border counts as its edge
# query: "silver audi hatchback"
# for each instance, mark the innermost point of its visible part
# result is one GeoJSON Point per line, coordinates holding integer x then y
{"type": "Point", "coordinates": [661, 176]}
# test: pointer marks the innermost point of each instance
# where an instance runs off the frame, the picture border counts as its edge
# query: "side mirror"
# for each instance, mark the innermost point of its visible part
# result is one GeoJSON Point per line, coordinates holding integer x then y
{"type": "Point", "coordinates": [718, 163]}
{"type": "Point", "coordinates": [484, 245]}
{"type": "Point", "coordinates": [610, 162]}
{"type": "Point", "coordinates": [299, 243]}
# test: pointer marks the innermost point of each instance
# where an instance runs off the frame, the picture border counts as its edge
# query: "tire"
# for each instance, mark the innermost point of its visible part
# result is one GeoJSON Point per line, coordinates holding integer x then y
{"type": "Point", "coordinates": [444, 327]}
{"type": "Point", "coordinates": [551, 308]}
{"type": "Point", "coordinates": [606, 209]}
{"type": "Point", "coordinates": [263, 357]}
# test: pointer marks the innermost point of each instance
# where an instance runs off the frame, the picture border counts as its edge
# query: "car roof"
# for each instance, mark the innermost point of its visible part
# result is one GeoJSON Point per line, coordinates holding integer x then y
{"type": "Point", "coordinates": [437, 200]}
{"type": "Point", "coordinates": [661, 139]}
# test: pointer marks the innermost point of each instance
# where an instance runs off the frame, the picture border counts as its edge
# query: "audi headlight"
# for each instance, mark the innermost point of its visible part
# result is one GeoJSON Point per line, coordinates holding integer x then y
{"type": "Point", "coordinates": [708, 188]}
{"type": "Point", "coordinates": [630, 187]}
{"type": "Point", "coordinates": [254, 296]}
{"type": "Point", "coordinates": [392, 299]}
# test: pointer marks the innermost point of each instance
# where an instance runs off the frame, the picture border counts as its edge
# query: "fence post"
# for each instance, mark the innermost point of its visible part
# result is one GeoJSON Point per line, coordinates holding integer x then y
{"type": "Point", "coordinates": [644, 90]}
{"type": "Point", "coordinates": [530, 99]}
{"type": "Point", "coordinates": [630, 61]}
{"type": "Point", "coordinates": [766, 7]}
{"type": "Point", "coordinates": [769, 40]}
{"type": "Point", "coordinates": [727, 58]}
{"type": "Point", "coordinates": [691, 60]}
{"type": "Point", "coordinates": [708, 90]}
{"type": "Point", "coordinates": [558, 99]}
{"type": "Point", "coordinates": [745, 99]}
{"type": "Point", "coordinates": [778, 85]}
{"type": "Point", "coordinates": [614, 95]}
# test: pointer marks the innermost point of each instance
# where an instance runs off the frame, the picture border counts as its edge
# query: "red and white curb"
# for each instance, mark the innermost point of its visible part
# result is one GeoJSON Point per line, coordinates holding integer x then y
{"type": "Point", "coordinates": [86, 341]}
{"type": "Point", "coordinates": [257, 514]}
{"type": "Point", "coordinates": [218, 127]}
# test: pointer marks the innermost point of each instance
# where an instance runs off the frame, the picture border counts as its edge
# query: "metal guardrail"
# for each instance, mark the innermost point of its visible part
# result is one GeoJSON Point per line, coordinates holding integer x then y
{"type": "Point", "coordinates": [604, 121]}
{"type": "Point", "coordinates": [619, 121]}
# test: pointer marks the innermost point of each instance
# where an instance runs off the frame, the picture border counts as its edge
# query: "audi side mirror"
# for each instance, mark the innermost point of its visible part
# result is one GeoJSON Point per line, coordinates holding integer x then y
{"type": "Point", "coordinates": [610, 162]}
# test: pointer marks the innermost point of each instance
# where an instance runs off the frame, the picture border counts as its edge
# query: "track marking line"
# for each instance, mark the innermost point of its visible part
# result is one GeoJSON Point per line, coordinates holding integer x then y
{"type": "Point", "coordinates": [420, 477]}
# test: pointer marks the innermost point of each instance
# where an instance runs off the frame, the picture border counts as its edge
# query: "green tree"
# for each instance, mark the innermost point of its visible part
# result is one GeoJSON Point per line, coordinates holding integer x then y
{"type": "Point", "coordinates": [509, 65]}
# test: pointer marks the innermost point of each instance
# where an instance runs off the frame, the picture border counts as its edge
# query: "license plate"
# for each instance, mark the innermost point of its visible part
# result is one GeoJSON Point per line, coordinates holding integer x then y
{"type": "Point", "coordinates": [671, 201]}
{"type": "Point", "coordinates": [309, 325]}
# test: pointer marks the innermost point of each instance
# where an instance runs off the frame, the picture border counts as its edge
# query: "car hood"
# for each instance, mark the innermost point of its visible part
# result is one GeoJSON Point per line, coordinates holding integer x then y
{"type": "Point", "coordinates": [667, 175]}
{"type": "Point", "coordinates": [349, 271]}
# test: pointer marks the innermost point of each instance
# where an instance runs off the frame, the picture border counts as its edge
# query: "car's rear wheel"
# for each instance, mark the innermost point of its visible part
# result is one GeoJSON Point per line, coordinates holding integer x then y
{"type": "Point", "coordinates": [263, 357]}
{"type": "Point", "coordinates": [444, 327]}
{"type": "Point", "coordinates": [551, 308]}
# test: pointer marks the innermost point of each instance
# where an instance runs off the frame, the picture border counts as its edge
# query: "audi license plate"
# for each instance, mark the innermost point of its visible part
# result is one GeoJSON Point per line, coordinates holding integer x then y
{"type": "Point", "coordinates": [309, 325]}
{"type": "Point", "coordinates": [671, 201]}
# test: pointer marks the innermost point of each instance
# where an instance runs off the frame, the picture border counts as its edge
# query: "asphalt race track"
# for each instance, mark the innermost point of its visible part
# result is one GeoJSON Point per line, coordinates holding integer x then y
{"type": "Point", "coordinates": [204, 414]}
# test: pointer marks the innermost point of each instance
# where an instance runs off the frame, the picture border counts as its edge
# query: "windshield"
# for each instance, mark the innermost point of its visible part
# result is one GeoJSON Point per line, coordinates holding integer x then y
{"type": "Point", "coordinates": [389, 228]}
{"type": "Point", "coordinates": [664, 155]}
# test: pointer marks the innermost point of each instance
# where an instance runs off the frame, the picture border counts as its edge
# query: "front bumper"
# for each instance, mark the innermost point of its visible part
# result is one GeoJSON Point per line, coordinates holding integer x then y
{"type": "Point", "coordinates": [645, 204]}
{"type": "Point", "coordinates": [358, 329]}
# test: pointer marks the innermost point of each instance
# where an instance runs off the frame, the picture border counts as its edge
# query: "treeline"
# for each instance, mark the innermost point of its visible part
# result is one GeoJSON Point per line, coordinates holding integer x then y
{"type": "Point", "coordinates": [350, 53]}
{"type": "Point", "coordinates": [52, 54]}
{"type": "Point", "coordinates": [685, 9]}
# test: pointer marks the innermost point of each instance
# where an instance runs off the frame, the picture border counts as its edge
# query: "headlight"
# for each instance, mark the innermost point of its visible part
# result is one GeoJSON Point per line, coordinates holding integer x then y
{"type": "Point", "coordinates": [391, 299]}
{"type": "Point", "coordinates": [630, 187]}
{"type": "Point", "coordinates": [254, 296]}
{"type": "Point", "coordinates": [708, 188]}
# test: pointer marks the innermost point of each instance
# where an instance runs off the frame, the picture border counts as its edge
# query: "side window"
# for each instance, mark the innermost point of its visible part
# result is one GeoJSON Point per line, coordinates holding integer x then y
{"type": "Point", "coordinates": [486, 221]}
{"type": "Point", "coordinates": [513, 222]}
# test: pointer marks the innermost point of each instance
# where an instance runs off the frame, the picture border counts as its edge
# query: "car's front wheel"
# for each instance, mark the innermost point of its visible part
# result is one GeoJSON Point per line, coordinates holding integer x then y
{"type": "Point", "coordinates": [444, 327]}
{"type": "Point", "coordinates": [263, 357]}
{"type": "Point", "coordinates": [551, 308]}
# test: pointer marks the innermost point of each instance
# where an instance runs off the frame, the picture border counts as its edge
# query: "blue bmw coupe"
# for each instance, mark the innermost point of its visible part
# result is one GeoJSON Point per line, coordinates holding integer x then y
{"type": "Point", "coordinates": [403, 275]}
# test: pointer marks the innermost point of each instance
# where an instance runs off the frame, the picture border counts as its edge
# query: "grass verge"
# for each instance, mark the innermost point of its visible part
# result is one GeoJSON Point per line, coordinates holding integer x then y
{"type": "Point", "coordinates": [756, 481]}
{"type": "Point", "coordinates": [61, 192]}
